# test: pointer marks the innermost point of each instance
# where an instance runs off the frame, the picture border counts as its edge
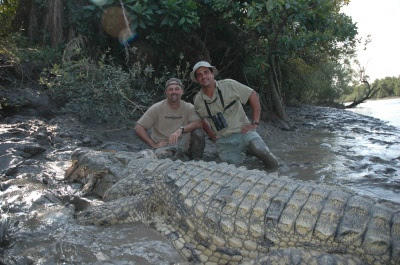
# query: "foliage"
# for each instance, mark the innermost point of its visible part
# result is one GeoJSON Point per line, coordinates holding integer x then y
{"type": "Point", "coordinates": [8, 9]}
{"type": "Point", "coordinates": [179, 13]}
{"type": "Point", "coordinates": [313, 84]}
{"type": "Point", "coordinates": [266, 36]}
{"type": "Point", "coordinates": [312, 33]}
{"type": "Point", "coordinates": [27, 52]}
{"type": "Point", "coordinates": [143, 13]}
{"type": "Point", "coordinates": [388, 87]}
{"type": "Point", "coordinates": [103, 91]}
{"type": "Point", "coordinates": [96, 90]}
{"type": "Point", "coordinates": [146, 17]}
{"type": "Point", "coordinates": [290, 50]}
{"type": "Point", "coordinates": [22, 62]}
{"type": "Point", "coordinates": [8, 64]}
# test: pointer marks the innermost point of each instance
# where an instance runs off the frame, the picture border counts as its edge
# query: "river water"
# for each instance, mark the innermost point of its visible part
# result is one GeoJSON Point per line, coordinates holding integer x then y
{"type": "Point", "coordinates": [358, 149]}
{"type": "Point", "coordinates": [387, 110]}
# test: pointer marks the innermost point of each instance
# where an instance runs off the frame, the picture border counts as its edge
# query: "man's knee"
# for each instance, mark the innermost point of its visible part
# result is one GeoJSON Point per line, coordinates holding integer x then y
{"type": "Point", "coordinates": [198, 134]}
{"type": "Point", "coordinates": [231, 157]}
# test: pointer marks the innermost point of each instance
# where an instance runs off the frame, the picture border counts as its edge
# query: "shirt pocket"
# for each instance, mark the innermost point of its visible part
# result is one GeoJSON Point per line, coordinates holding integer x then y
{"type": "Point", "coordinates": [231, 109]}
{"type": "Point", "coordinates": [202, 113]}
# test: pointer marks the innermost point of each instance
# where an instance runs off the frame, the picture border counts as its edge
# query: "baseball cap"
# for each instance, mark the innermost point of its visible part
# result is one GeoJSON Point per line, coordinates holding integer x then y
{"type": "Point", "coordinates": [175, 81]}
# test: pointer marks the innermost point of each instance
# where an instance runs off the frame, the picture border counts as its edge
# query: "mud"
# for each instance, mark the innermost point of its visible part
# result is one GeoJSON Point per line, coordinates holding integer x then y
{"type": "Point", "coordinates": [37, 207]}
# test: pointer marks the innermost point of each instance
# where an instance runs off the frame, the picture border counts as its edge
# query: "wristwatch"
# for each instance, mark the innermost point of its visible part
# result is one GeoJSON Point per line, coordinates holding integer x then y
{"type": "Point", "coordinates": [182, 128]}
{"type": "Point", "coordinates": [255, 122]}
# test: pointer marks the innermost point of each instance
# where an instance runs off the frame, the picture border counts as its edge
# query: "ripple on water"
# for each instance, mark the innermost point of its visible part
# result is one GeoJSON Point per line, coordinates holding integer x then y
{"type": "Point", "coordinates": [343, 148]}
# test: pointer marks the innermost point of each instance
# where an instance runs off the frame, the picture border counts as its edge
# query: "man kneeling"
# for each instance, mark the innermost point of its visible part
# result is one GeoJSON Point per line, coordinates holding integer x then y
{"type": "Point", "coordinates": [176, 129]}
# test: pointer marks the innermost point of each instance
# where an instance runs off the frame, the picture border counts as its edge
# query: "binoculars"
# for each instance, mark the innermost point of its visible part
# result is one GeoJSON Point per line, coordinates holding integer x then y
{"type": "Point", "coordinates": [219, 121]}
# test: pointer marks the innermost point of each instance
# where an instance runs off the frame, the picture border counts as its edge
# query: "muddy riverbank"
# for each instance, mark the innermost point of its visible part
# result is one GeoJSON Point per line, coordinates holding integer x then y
{"type": "Point", "coordinates": [37, 226]}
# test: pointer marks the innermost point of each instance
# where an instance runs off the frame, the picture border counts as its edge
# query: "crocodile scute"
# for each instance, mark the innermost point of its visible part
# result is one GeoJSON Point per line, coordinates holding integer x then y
{"type": "Point", "coordinates": [221, 214]}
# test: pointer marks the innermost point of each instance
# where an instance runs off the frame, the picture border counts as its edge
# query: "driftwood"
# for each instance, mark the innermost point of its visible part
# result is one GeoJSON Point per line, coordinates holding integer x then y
{"type": "Point", "coordinates": [370, 93]}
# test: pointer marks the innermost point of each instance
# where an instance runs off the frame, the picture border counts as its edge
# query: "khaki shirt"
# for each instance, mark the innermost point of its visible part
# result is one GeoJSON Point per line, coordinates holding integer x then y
{"type": "Point", "coordinates": [235, 116]}
{"type": "Point", "coordinates": [163, 120]}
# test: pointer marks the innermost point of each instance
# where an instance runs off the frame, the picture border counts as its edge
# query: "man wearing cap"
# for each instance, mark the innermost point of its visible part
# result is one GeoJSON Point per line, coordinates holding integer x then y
{"type": "Point", "coordinates": [176, 129]}
{"type": "Point", "coordinates": [219, 104]}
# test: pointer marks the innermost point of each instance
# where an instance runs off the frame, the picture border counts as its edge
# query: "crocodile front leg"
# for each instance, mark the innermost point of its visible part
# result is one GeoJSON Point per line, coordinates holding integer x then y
{"type": "Point", "coordinates": [123, 210]}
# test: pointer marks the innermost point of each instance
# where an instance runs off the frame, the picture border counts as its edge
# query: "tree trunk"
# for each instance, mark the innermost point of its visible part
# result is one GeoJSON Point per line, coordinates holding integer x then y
{"type": "Point", "coordinates": [54, 21]}
{"type": "Point", "coordinates": [277, 105]}
{"type": "Point", "coordinates": [33, 24]}
{"type": "Point", "coordinates": [21, 19]}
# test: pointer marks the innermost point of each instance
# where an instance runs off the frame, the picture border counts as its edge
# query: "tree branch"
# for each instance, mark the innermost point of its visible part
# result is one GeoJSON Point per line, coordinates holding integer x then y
{"type": "Point", "coordinates": [370, 93]}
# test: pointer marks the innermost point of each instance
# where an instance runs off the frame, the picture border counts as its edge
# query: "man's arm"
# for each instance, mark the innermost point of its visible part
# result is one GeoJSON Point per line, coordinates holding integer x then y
{"type": "Point", "coordinates": [256, 111]}
{"type": "Point", "coordinates": [254, 101]}
{"type": "Point", "coordinates": [173, 139]}
{"type": "Point", "coordinates": [141, 132]}
{"type": "Point", "coordinates": [193, 125]}
{"type": "Point", "coordinates": [208, 130]}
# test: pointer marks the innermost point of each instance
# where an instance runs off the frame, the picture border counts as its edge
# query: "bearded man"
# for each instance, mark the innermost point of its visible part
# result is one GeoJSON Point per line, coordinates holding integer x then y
{"type": "Point", "coordinates": [176, 129]}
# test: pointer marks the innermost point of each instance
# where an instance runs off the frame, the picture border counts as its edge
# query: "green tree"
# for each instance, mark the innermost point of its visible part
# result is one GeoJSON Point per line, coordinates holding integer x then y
{"type": "Point", "coordinates": [285, 49]}
{"type": "Point", "coordinates": [389, 87]}
{"type": "Point", "coordinates": [314, 31]}
{"type": "Point", "coordinates": [8, 9]}
{"type": "Point", "coordinates": [396, 88]}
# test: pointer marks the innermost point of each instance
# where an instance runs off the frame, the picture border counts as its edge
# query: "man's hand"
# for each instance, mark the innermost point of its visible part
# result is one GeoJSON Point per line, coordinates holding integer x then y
{"type": "Point", "coordinates": [248, 127]}
{"type": "Point", "coordinates": [208, 130]}
{"type": "Point", "coordinates": [141, 132]}
{"type": "Point", "coordinates": [212, 137]}
{"type": "Point", "coordinates": [173, 138]}
{"type": "Point", "coordinates": [160, 144]}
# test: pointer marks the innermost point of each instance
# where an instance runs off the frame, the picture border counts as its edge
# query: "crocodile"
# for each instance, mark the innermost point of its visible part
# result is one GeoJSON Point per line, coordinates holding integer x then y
{"type": "Point", "coordinates": [217, 213]}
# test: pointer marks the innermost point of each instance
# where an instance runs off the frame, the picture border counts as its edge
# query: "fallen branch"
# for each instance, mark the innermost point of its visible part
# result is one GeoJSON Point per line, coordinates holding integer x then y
{"type": "Point", "coordinates": [370, 93]}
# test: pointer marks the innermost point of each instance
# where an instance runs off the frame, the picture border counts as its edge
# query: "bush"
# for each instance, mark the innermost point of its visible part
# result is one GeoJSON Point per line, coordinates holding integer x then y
{"type": "Point", "coordinates": [7, 12]}
{"type": "Point", "coordinates": [23, 63]}
{"type": "Point", "coordinates": [100, 91]}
